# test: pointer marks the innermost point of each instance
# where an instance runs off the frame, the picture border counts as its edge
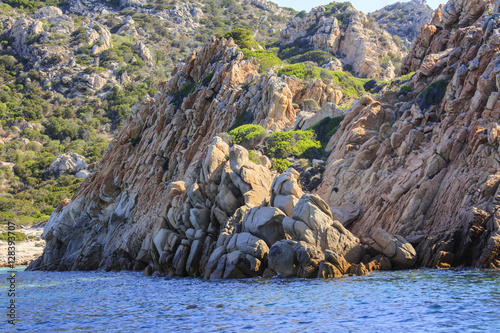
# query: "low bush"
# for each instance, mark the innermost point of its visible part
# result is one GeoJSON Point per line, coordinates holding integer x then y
{"type": "Point", "coordinates": [18, 236]}
{"type": "Point", "coordinates": [252, 156]}
{"type": "Point", "coordinates": [280, 164]}
{"type": "Point", "coordinates": [432, 95]}
{"type": "Point", "coordinates": [301, 144]}
{"type": "Point", "coordinates": [245, 133]}
{"type": "Point", "coordinates": [243, 38]}
{"type": "Point", "coordinates": [246, 117]}
{"type": "Point", "coordinates": [317, 56]}
{"type": "Point", "coordinates": [266, 59]}
{"type": "Point", "coordinates": [326, 128]}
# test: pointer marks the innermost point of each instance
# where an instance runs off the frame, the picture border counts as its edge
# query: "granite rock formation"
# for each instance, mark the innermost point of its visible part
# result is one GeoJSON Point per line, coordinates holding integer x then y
{"type": "Point", "coordinates": [403, 19]}
{"type": "Point", "coordinates": [427, 169]}
{"type": "Point", "coordinates": [413, 171]}
{"type": "Point", "coordinates": [343, 31]}
{"type": "Point", "coordinates": [170, 196]}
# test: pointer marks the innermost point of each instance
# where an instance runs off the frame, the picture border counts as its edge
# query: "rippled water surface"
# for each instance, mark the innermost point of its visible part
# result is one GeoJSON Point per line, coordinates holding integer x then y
{"type": "Point", "coordinates": [413, 301]}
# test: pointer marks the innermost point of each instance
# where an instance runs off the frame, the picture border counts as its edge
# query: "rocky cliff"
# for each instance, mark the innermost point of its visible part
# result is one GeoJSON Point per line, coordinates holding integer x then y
{"type": "Point", "coordinates": [427, 169]}
{"type": "Point", "coordinates": [171, 196]}
{"type": "Point", "coordinates": [342, 30]}
{"type": "Point", "coordinates": [411, 178]}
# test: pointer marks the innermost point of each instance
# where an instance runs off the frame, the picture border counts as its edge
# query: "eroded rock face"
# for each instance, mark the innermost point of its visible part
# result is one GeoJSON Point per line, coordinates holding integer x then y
{"type": "Point", "coordinates": [171, 196]}
{"type": "Point", "coordinates": [341, 29]}
{"type": "Point", "coordinates": [428, 171]}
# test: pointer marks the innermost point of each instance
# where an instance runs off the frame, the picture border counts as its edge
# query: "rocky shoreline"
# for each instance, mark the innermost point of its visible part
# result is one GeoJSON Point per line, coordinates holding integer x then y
{"type": "Point", "coordinates": [411, 179]}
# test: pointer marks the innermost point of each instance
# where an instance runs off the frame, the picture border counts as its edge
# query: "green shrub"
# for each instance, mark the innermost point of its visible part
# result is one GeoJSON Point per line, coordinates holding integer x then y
{"type": "Point", "coordinates": [301, 144]}
{"type": "Point", "coordinates": [432, 95]}
{"type": "Point", "coordinates": [406, 88]}
{"type": "Point", "coordinates": [317, 56]}
{"type": "Point", "coordinates": [206, 80]}
{"type": "Point", "coordinates": [266, 59]}
{"type": "Point", "coordinates": [19, 236]}
{"type": "Point", "coordinates": [351, 87]}
{"type": "Point", "coordinates": [135, 141]}
{"type": "Point", "coordinates": [179, 96]}
{"type": "Point", "coordinates": [243, 38]}
{"type": "Point", "coordinates": [246, 117]}
{"type": "Point", "coordinates": [299, 46]}
{"type": "Point", "coordinates": [245, 133]}
{"type": "Point", "coordinates": [334, 6]}
{"type": "Point", "coordinates": [280, 164]}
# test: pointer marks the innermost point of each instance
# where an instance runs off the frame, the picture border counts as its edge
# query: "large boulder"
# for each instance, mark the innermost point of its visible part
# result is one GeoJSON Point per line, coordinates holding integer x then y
{"type": "Point", "coordinates": [282, 258]}
{"type": "Point", "coordinates": [285, 191]}
{"type": "Point", "coordinates": [69, 162]}
{"type": "Point", "coordinates": [253, 181]}
{"type": "Point", "coordinates": [396, 248]}
{"type": "Point", "coordinates": [265, 223]}
{"type": "Point", "coordinates": [241, 257]}
{"type": "Point", "coordinates": [312, 223]}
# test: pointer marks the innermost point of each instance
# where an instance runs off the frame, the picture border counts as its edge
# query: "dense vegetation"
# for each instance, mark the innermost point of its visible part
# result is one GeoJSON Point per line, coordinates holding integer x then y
{"type": "Point", "coordinates": [283, 147]}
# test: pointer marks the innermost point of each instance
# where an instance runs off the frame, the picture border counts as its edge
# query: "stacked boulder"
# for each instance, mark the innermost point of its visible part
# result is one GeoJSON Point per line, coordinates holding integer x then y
{"type": "Point", "coordinates": [314, 235]}
{"type": "Point", "coordinates": [236, 221]}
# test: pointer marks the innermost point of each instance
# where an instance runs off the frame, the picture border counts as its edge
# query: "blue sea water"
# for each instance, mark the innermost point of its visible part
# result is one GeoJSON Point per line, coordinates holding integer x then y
{"type": "Point", "coordinates": [412, 301]}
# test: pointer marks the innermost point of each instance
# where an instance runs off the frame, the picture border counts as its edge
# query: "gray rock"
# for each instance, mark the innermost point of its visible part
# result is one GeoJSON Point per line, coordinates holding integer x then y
{"type": "Point", "coordinates": [312, 223]}
{"type": "Point", "coordinates": [69, 162]}
{"type": "Point", "coordinates": [282, 258]}
{"type": "Point", "coordinates": [265, 223]}
{"type": "Point", "coordinates": [396, 248]}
